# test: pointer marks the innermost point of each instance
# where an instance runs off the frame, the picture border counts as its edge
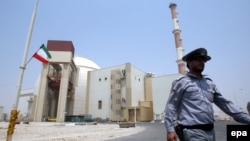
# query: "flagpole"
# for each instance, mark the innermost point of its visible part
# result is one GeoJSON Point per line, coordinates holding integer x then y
{"type": "Point", "coordinates": [14, 112]}
{"type": "Point", "coordinates": [32, 57]}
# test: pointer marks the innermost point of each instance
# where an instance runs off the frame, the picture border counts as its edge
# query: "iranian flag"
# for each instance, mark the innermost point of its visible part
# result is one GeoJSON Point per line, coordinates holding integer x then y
{"type": "Point", "coordinates": [42, 54]}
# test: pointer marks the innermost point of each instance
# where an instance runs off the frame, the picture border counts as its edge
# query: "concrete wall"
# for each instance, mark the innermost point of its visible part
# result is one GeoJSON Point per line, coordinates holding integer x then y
{"type": "Point", "coordinates": [80, 92]}
{"type": "Point", "coordinates": [137, 86]}
{"type": "Point", "coordinates": [146, 111]}
{"type": "Point", "coordinates": [148, 89]}
{"type": "Point", "coordinates": [161, 87]}
{"type": "Point", "coordinates": [100, 90]}
{"type": "Point", "coordinates": [143, 114]}
{"type": "Point", "coordinates": [61, 57]}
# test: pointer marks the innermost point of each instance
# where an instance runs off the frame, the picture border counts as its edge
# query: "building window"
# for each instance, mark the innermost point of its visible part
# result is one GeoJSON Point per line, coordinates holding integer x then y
{"type": "Point", "coordinates": [118, 91]}
{"type": "Point", "coordinates": [99, 104]}
{"type": "Point", "coordinates": [105, 78]}
{"type": "Point", "coordinates": [118, 112]}
{"type": "Point", "coordinates": [100, 79]}
{"type": "Point", "coordinates": [118, 101]}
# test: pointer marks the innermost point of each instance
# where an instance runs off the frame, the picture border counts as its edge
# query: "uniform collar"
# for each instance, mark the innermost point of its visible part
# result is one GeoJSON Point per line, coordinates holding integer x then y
{"type": "Point", "coordinates": [194, 76]}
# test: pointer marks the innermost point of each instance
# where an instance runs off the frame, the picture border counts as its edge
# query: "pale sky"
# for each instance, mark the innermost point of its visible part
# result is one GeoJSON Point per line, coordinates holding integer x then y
{"type": "Point", "coordinates": [114, 32]}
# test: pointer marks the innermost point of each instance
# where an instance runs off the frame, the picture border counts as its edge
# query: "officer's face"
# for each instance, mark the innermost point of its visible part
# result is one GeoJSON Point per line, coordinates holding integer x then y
{"type": "Point", "coordinates": [197, 64]}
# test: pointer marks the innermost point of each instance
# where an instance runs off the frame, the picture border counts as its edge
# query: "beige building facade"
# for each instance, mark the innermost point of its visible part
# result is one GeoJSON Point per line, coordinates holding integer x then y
{"type": "Point", "coordinates": [119, 94]}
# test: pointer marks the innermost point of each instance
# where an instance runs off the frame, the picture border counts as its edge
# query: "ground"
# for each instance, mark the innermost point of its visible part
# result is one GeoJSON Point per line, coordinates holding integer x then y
{"type": "Point", "coordinates": [50, 131]}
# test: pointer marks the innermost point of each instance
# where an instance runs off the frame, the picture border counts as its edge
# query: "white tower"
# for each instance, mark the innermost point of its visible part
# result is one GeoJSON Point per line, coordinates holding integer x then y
{"type": "Point", "coordinates": [178, 44]}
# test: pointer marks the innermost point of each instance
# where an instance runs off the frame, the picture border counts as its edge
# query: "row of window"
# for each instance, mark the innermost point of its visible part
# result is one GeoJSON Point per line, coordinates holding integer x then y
{"type": "Point", "coordinates": [116, 80]}
{"type": "Point", "coordinates": [104, 79]}
{"type": "Point", "coordinates": [118, 101]}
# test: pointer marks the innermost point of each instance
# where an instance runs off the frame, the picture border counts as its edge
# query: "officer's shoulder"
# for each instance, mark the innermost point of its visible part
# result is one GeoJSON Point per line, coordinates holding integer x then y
{"type": "Point", "coordinates": [207, 78]}
{"type": "Point", "coordinates": [180, 77]}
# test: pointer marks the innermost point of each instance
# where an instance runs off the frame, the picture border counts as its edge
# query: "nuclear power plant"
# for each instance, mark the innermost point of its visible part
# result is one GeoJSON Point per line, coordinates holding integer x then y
{"type": "Point", "coordinates": [74, 88]}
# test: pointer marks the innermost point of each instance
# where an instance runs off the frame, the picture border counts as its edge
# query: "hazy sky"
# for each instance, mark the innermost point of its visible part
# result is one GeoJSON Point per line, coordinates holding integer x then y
{"type": "Point", "coordinates": [114, 32]}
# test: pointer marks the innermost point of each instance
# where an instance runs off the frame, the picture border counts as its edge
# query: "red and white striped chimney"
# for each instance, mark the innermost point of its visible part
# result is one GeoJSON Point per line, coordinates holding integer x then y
{"type": "Point", "coordinates": [177, 37]}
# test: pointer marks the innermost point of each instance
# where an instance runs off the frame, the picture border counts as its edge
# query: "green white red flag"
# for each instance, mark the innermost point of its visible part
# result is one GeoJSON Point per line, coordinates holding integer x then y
{"type": "Point", "coordinates": [42, 54]}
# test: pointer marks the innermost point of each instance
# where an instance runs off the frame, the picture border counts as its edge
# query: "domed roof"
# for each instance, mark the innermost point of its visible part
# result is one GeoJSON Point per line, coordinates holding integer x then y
{"type": "Point", "coordinates": [84, 62]}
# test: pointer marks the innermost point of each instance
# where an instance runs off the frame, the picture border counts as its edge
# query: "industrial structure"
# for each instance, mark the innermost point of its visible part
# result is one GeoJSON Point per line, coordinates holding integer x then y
{"type": "Point", "coordinates": [71, 87]}
{"type": "Point", "coordinates": [178, 40]}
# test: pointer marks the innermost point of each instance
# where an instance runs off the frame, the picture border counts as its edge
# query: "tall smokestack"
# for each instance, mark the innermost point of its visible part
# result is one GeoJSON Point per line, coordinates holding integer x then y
{"type": "Point", "coordinates": [177, 37]}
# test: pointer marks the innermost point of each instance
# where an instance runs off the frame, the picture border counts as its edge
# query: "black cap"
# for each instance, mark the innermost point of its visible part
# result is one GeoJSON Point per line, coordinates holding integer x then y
{"type": "Point", "coordinates": [200, 52]}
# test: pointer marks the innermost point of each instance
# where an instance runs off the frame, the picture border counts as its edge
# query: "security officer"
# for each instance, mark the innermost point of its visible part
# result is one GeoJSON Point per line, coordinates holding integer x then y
{"type": "Point", "coordinates": [190, 103]}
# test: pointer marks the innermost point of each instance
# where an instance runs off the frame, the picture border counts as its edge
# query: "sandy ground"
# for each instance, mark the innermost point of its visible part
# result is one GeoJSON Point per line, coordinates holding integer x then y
{"type": "Point", "coordinates": [49, 131]}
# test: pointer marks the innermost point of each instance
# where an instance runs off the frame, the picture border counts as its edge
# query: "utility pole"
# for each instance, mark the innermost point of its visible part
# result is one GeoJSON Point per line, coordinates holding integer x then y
{"type": "Point", "coordinates": [14, 112]}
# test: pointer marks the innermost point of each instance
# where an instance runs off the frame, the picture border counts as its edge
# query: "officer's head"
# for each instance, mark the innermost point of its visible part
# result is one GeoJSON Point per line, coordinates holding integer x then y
{"type": "Point", "coordinates": [196, 59]}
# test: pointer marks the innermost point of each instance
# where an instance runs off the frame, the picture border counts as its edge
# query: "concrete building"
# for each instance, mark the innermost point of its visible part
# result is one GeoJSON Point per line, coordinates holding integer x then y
{"type": "Point", "coordinates": [125, 93]}
{"type": "Point", "coordinates": [119, 94]}
{"type": "Point", "coordinates": [62, 87]}
{"type": "Point", "coordinates": [70, 86]}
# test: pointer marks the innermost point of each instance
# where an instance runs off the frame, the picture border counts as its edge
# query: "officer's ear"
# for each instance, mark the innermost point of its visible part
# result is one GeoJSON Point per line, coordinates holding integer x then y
{"type": "Point", "coordinates": [188, 62]}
